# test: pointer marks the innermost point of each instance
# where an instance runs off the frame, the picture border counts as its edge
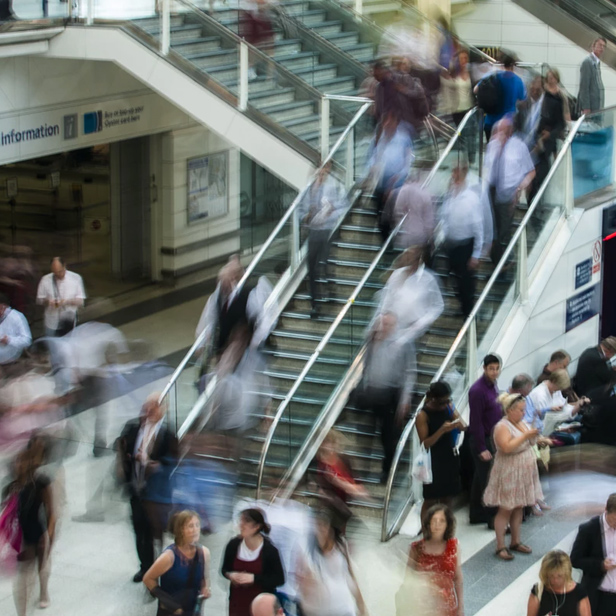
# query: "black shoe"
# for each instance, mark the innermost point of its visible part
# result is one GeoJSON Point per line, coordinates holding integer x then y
{"type": "Point", "coordinates": [138, 577]}
{"type": "Point", "coordinates": [314, 313]}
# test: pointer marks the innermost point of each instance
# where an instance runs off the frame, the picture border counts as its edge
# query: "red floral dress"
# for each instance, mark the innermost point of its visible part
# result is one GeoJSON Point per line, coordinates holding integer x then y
{"type": "Point", "coordinates": [442, 570]}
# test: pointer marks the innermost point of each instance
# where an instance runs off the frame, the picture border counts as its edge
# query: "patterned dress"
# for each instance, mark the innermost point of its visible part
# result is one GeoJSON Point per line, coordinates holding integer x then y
{"type": "Point", "coordinates": [441, 569]}
{"type": "Point", "coordinates": [514, 479]}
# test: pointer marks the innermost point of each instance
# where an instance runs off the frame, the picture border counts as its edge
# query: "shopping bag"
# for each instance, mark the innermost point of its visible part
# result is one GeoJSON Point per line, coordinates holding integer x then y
{"type": "Point", "coordinates": [422, 466]}
{"type": "Point", "coordinates": [10, 534]}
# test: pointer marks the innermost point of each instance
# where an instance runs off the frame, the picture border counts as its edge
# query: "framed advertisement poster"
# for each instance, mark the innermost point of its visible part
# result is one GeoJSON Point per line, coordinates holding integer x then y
{"type": "Point", "coordinates": [208, 190]}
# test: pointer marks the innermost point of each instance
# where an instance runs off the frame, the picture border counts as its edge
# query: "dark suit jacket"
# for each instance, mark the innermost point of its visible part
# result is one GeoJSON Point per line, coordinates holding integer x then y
{"type": "Point", "coordinates": [164, 450]}
{"type": "Point", "coordinates": [588, 555]}
{"type": "Point", "coordinates": [593, 373]}
{"type": "Point", "coordinates": [592, 93]}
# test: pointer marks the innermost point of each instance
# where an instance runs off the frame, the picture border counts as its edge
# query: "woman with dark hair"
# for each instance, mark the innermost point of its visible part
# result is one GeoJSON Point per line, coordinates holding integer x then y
{"type": "Point", "coordinates": [327, 584]}
{"type": "Point", "coordinates": [437, 555]}
{"type": "Point", "coordinates": [438, 427]}
{"type": "Point", "coordinates": [460, 87]}
{"type": "Point", "coordinates": [251, 563]}
{"type": "Point", "coordinates": [183, 569]}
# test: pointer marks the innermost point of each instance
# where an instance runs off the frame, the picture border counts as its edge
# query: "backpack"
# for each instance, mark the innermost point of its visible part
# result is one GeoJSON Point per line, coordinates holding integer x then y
{"type": "Point", "coordinates": [490, 94]}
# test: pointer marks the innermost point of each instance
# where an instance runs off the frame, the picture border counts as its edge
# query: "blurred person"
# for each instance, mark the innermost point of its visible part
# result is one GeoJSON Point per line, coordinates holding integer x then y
{"type": "Point", "coordinates": [438, 427]}
{"type": "Point", "coordinates": [391, 156]}
{"type": "Point", "coordinates": [462, 227]}
{"type": "Point", "coordinates": [591, 95]}
{"type": "Point", "coordinates": [437, 555]}
{"type": "Point", "coordinates": [37, 522]}
{"type": "Point", "coordinates": [485, 413]}
{"type": "Point", "coordinates": [559, 360]}
{"type": "Point", "coordinates": [322, 208]}
{"type": "Point", "coordinates": [529, 111]}
{"type": "Point", "coordinates": [461, 90]}
{"type": "Point", "coordinates": [255, 27]}
{"type": "Point", "coordinates": [15, 334]}
{"type": "Point", "coordinates": [594, 373]}
{"type": "Point", "coordinates": [512, 90]}
{"type": "Point", "coordinates": [412, 294]}
{"type": "Point", "coordinates": [510, 170]}
{"type": "Point", "coordinates": [413, 106]}
{"type": "Point", "coordinates": [514, 478]}
{"type": "Point", "coordinates": [147, 448]}
{"type": "Point", "coordinates": [183, 570]}
{"type": "Point", "coordinates": [387, 383]}
{"type": "Point", "coordinates": [62, 294]}
{"type": "Point", "coordinates": [413, 203]}
{"type": "Point", "coordinates": [251, 563]}
{"type": "Point", "coordinates": [521, 384]}
{"type": "Point", "coordinates": [547, 408]}
{"type": "Point", "coordinates": [556, 591]}
{"type": "Point", "coordinates": [334, 476]}
{"type": "Point", "coordinates": [327, 582]}
{"type": "Point", "coordinates": [6, 10]}
{"type": "Point", "coordinates": [266, 604]}
{"type": "Point", "coordinates": [594, 552]}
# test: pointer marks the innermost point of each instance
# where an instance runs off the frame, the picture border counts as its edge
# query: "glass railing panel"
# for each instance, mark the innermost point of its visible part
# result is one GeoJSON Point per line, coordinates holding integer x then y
{"type": "Point", "coordinates": [39, 10]}
{"type": "Point", "coordinates": [592, 152]}
{"type": "Point", "coordinates": [119, 10]}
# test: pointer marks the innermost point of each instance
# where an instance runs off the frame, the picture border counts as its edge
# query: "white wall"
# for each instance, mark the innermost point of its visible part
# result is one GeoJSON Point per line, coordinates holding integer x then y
{"type": "Point", "coordinates": [176, 148]}
{"type": "Point", "coordinates": [502, 23]}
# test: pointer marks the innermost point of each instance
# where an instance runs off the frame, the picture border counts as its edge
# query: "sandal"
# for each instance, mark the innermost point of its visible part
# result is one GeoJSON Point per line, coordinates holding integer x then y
{"type": "Point", "coordinates": [520, 547]}
{"type": "Point", "coordinates": [505, 554]}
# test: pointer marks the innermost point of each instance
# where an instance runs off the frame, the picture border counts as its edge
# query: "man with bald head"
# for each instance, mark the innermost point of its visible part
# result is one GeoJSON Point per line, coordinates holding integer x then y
{"type": "Point", "coordinates": [147, 449]}
{"type": "Point", "coordinates": [266, 604]}
{"type": "Point", "coordinates": [62, 294]}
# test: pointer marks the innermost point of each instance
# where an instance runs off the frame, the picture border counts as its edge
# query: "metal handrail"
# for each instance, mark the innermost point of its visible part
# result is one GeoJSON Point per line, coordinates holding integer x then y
{"type": "Point", "coordinates": [350, 301]}
{"type": "Point", "coordinates": [270, 240]}
{"type": "Point", "coordinates": [467, 324]}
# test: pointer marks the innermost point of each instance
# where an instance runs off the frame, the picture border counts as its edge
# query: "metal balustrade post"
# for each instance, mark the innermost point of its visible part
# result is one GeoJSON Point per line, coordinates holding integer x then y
{"type": "Point", "coordinates": [350, 160]}
{"type": "Point", "coordinates": [359, 6]}
{"type": "Point", "coordinates": [295, 239]}
{"type": "Point", "coordinates": [522, 268]}
{"type": "Point", "coordinates": [165, 27]}
{"type": "Point", "coordinates": [569, 194]}
{"type": "Point", "coordinates": [89, 12]}
{"type": "Point", "coordinates": [324, 128]}
{"type": "Point", "coordinates": [471, 351]}
{"type": "Point", "coordinates": [243, 76]}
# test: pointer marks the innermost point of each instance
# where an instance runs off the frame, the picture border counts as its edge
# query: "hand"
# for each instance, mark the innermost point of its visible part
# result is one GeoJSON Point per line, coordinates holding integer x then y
{"type": "Point", "coordinates": [178, 612]}
{"type": "Point", "coordinates": [245, 579]}
{"type": "Point", "coordinates": [473, 263]}
{"type": "Point", "coordinates": [234, 577]}
{"type": "Point", "coordinates": [556, 409]}
{"type": "Point", "coordinates": [206, 594]}
{"type": "Point", "coordinates": [532, 433]}
{"type": "Point", "coordinates": [448, 426]}
{"type": "Point", "coordinates": [543, 441]}
{"type": "Point", "coordinates": [4, 340]}
{"type": "Point", "coordinates": [609, 564]}
{"type": "Point", "coordinates": [486, 456]}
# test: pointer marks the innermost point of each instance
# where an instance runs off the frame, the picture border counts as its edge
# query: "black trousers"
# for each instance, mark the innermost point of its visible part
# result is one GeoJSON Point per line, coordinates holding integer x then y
{"type": "Point", "coordinates": [459, 254]}
{"type": "Point", "coordinates": [144, 537]}
{"type": "Point", "coordinates": [503, 212]}
{"type": "Point", "coordinates": [606, 604]}
{"type": "Point", "coordinates": [383, 402]}
{"type": "Point", "coordinates": [477, 512]}
{"type": "Point", "coordinates": [318, 253]}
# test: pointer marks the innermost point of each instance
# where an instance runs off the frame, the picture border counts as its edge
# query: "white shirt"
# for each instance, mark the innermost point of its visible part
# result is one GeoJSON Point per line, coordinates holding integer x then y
{"type": "Point", "coordinates": [326, 201]}
{"type": "Point", "coordinates": [509, 168]}
{"type": "Point", "coordinates": [416, 203]}
{"type": "Point", "coordinates": [609, 543]}
{"type": "Point", "coordinates": [416, 301]}
{"type": "Point", "coordinates": [532, 121]}
{"type": "Point", "coordinates": [461, 216]}
{"type": "Point", "coordinates": [542, 401]}
{"type": "Point", "coordinates": [147, 435]}
{"type": "Point", "coordinates": [245, 553]}
{"type": "Point", "coordinates": [15, 327]}
{"type": "Point", "coordinates": [69, 288]}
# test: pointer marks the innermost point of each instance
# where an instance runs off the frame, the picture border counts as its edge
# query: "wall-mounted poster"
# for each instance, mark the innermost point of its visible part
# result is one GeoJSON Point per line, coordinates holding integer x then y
{"type": "Point", "coordinates": [207, 187]}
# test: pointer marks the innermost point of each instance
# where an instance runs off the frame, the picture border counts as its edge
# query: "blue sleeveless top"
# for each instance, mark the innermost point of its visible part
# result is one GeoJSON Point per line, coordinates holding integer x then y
{"type": "Point", "coordinates": [176, 583]}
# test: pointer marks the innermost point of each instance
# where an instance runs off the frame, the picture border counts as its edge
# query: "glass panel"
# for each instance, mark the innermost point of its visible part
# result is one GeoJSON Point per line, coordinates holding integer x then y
{"type": "Point", "coordinates": [51, 9]}
{"type": "Point", "coordinates": [592, 151]}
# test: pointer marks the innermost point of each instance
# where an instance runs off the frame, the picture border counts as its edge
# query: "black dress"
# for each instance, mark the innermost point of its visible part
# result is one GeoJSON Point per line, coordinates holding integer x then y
{"type": "Point", "coordinates": [560, 604]}
{"type": "Point", "coordinates": [445, 461]}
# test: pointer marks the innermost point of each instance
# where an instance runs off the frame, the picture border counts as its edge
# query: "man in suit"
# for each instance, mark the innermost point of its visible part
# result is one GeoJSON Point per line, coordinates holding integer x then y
{"type": "Point", "coordinates": [592, 93]}
{"type": "Point", "coordinates": [594, 375]}
{"type": "Point", "coordinates": [147, 448]}
{"type": "Point", "coordinates": [594, 552]}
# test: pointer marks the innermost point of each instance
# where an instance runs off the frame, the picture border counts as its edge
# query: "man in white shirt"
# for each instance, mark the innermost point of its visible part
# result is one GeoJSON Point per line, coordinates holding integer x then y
{"type": "Point", "coordinates": [62, 294]}
{"type": "Point", "coordinates": [510, 170]}
{"type": "Point", "coordinates": [462, 225]}
{"type": "Point", "coordinates": [15, 333]}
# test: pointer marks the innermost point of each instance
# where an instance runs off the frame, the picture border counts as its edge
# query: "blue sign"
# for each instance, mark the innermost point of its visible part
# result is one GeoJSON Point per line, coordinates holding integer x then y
{"type": "Point", "coordinates": [582, 307]}
{"type": "Point", "coordinates": [583, 273]}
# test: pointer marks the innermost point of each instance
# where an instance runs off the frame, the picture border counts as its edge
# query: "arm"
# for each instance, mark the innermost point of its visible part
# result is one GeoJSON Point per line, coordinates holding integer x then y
{"type": "Point", "coordinates": [23, 337]}
{"type": "Point", "coordinates": [423, 430]}
{"type": "Point", "coordinates": [207, 321]}
{"type": "Point", "coordinates": [227, 562]}
{"type": "Point", "coordinates": [79, 299]}
{"type": "Point", "coordinates": [458, 582]}
{"type": "Point", "coordinates": [272, 575]}
{"type": "Point", "coordinates": [581, 557]}
{"type": "Point", "coordinates": [584, 607]}
{"type": "Point", "coordinates": [477, 233]}
{"type": "Point", "coordinates": [584, 93]}
{"type": "Point", "coordinates": [162, 564]}
{"type": "Point", "coordinates": [43, 297]}
{"type": "Point", "coordinates": [413, 562]}
{"type": "Point", "coordinates": [533, 605]}
{"type": "Point", "coordinates": [206, 590]}
{"type": "Point", "coordinates": [434, 306]}
{"type": "Point", "coordinates": [477, 404]}
{"type": "Point", "coordinates": [49, 512]}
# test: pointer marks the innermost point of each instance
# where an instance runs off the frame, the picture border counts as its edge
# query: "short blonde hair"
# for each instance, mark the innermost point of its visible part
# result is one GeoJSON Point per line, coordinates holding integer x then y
{"type": "Point", "coordinates": [179, 521]}
{"type": "Point", "coordinates": [560, 378]}
{"type": "Point", "coordinates": [555, 561]}
{"type": "Point", "coordinates": [508, 401]}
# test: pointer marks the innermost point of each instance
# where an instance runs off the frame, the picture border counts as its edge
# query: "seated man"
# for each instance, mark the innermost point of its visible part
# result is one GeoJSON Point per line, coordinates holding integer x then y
{"type": "Point", "coordinates": [559, 360]}
{"type": "Point", "coordinates": [547, 409]}
{"type": "Point", "coordinates": [15, 333]}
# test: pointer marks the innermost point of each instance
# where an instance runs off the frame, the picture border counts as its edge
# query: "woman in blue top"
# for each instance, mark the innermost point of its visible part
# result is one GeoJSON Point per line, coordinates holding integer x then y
{"type": "Point", "coordinates": [183, 569]}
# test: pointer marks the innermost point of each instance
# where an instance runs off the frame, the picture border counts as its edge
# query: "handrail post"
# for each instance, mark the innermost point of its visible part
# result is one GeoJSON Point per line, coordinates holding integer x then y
{"type": "Point", "coordinates": [324, 127]}
{"type": "Point", "coordinates": [359, 6]}
{"type": "Point", "coordinates": [522, 268]}
{"type": "Point", "coordinates": [569, 193]}
{"type": "Point", "coordinates": [90, 12]}
{"type": "Point", "coordinates": [165, 27]}
{"type": "Point", "coordinates": [350, 161]}
{"type": "Point", "coordinates": [295, 240]}
{"type": "Point", "coordinates": [471, 351]}
{"type": "Point", "coordinates": [243, 76]}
